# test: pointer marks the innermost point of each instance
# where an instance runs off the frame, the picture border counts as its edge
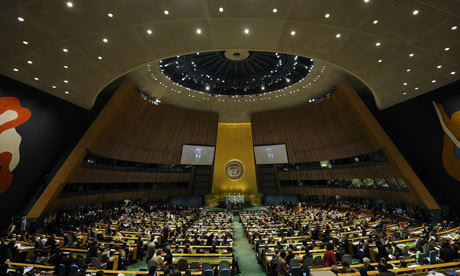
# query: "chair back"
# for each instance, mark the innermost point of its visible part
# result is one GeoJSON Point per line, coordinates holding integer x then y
{"type": "Point", "coordinates": [224, 272]}
{"type": "Point", "coordinates": [95, 262]}
{"type": "Point", "coordinates": [405, 251]}
{"type": "Point", "coordinates": [195, 265]}
{"type": "Point", "coordinates": [81, 263]}
{"type": "Point", "coordinates": [224, 265]}
{"type": "Point", "coordinates": [318, 261]}
{"type": "Point", "coordinates": [294, 263]}
{"type": "Point", "coordinates": [61, 270]}
{"type": "Point", "coordinates": [295, 271]}
{"type": "Point", "coordinates": [432, 257]}
{"type": "Point", "coordinates": [427, 248]}
{"type": "Point", "coordinates": [182, 264]}
{"type": "Point", "coordinates": [307, 262]}
{"type": "Point", "coordinates": [73, 269]}
{"type": "Point", "coordinates": [151, 263]}
{"type": "Point", "coordinates": [346, 258]}
{"type": "Point", "coordinates": [207, 269]}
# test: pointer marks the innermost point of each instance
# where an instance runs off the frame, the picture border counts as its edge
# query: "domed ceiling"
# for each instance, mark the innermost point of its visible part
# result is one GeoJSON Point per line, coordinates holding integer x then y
{"type": "Point", "coordinates": [72, 49]}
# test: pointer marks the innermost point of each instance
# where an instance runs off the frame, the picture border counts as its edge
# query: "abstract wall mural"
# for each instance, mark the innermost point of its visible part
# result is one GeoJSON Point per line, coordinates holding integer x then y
{"type": "Point", "coordinates": [12, 115]}
{"type": "Point", "coordinates": [451, 146]}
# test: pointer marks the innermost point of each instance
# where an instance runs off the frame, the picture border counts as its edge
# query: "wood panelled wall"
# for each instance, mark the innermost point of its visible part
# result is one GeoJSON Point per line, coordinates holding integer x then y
{"type": "Point", "coordinates": [85, 175]}
{"type": "Point", "coordinates": [338, 127]}
{"type": "Point", "coordinates": [314, 132]}
{"type": "Point", "coordinates": [132, 129]}
{"type": "Point", "coordinates": [63, 203]}
{"type": "Point", "coordinates": [144, 132]}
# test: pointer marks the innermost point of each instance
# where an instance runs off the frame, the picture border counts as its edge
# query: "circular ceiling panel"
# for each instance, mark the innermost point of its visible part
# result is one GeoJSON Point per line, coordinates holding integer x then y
{"type": "Point", "coordinates": [236, 72]}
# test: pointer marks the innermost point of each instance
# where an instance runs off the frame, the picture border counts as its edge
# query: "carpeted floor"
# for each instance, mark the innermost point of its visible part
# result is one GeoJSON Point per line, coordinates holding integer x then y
{"type": "Point", "coordinates": [243, 251]}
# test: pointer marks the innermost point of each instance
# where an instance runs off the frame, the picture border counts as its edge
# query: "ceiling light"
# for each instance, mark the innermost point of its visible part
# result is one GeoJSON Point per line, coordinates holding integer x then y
{"type": "Point", "coordinates": [207, 88]}
{"type": "Point", "coordinates": [198, 31]}
{"type": "Point", "coordinates": [149, 32]}
{"type": "Point", "coordinates": [433, 81]}
{"type": "Point", "coordinates": [366, 1]}
{"type": "Point", "coordinates": [416, 88]}
{"type": "Point", "coordinates": [66, 67]}
{"type": "Point", "coordinates": [15, 69]}
{"type": "Point", "coordinates": [69, 4]}
{"type": "Point", "coordinates": [110, 14]}
{"type": "Point", "coordinates": [338, 35]}
{"type": "Point", "coordinates": [452, 73]}
{"type": "Point", "coordinates": [35, 78]}
{"type": "Point", "coordinates": [67, 92]}
{"type": "Point", "coordinates": [411, 54]}
{"type": "Point", "coordinates": [453, 27]}
{"type": "Point", "coordinates": [327, 15]}
{"type": "Point", "coordinates": [29, 62]}
{"type": "Point", "coordinates": [446, 49]}
{"type": "Point", "coordinates": [439, 66]}
{"type": "Point", "coordinates": [415, 12]}
{"type": "Point", "coordinates": [408, 70]}
{"type": "Point", "coordinates": [405, 83]}
{"type": "Point", "coordinates": [375, 22]}
{"type": "Point", "coordinates": [404, 93]}
{"type": "Point", "coordinates": [288, 80]}
{"type": "Point", "coordinates": [292, 32]}
{"type": "Point", "coordinates": [99, 57]}
{"type": "Point", "coordinates": [379, 61]}
{"type": "Point", "coordinates": [105, 40]}
{"type": "Point", "coordinates": [53, 86]}
{"type": "Point", "coordinates": [20, 19]}
{"type": "Point", "coordinates": [275, 10]}
{"type": "Point", "coordinates": [221, 9]}
{"type": "Point", "coordinates": [65, 50]}
{"type": "Point", "coordinates": [25, 42]}
{"type": "Point", "coordinates": [166, 12]}
{"type": "Point", "coordinates": [246, 31]}
{"type": "Point", "coordinates": [66, 81]}
{"type": "Point", "coordinates": [377, 44]}
{"type": "Point", "coordinates": [263, 87]}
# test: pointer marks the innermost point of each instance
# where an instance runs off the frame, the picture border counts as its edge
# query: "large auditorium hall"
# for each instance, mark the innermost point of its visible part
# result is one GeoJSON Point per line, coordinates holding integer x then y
{"type": "Point", "coordinates": [229, 137]}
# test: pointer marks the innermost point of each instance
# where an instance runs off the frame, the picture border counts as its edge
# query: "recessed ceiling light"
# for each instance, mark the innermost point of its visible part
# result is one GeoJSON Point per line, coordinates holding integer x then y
{"type": "Point", "coordinates": [35, 78]}
{"type": "Point", "coordinates": [377, 44]}
{"type": "Point", "coordinates": [375, 21]}
{"type": "Point", "coordinates": [411, 54]}
{"type": "Point", "coordinates": [452, 73]}
{"type": "Point", "coordinates": [408, 70]}
{"type": "Point", "coordinates": [404, 93]}
{"type": "Point", "coordinates": [207, 88]}
{"type": "Point", "coordinates": [20, 19]}
{"type": "Point", "coordinates": [149, 32]}
{"type": "Point", "coordinates": [379, 61]}
{"type": "Point", "coordinates": [105, 40]}
{"type": "Point", "coordinates": [292, 32]}
{"type": "Point", "coordinates": [327, 15]}
{"type": "Point", "coordinates": [415, 12]}
{"type": "Point", "coordinates": [66, 81]}
{"type": "Point", "coordinates": [453, 28]}
{"type": "Point", "coordinates": [25, 42]}
{"type": "Point", "coordinates": [99, 57]}
{"type": "Point", "coordinates": [53, 86]}
{"type": "Point", "coordinates": [66, 67]}
{"type": "Point", "coordinates": [67, 92]}
{"type": "Point", "coordinates": [246, 31]}
{"type": "Point", "coordinates": [15, 69]}
{"type": "Point", "coordinates": [198, 31]}
{"type": "Point", "coordinates": [29, 62]}
{"type": "Point", "coordinates": [275, 10]}
{"type": "Point", "coordinates": [166, 12]}
{"type": "Point", "coordinates": [366, 1]}
{"type": "Point", "coordinates": [110, 14]}
{"type": "Point", "coordinates": [416, 88]}
{"type": "Point", "coordinates": [446, 49]}
{"type": "Point", "coordinates": [221, 9]}
{"type": "Point", "coordinates": [439, 66]}
{"type": "Point", "coordinates": [338, 35]}
{"type": "Point", "coordinates": [433, 81]}
{"type": "Point", "coordinates": [65, 50]}
{"type": "Point", "coordinates": [69, 4]}
{"type": "Point", "coordinates": [405, 83]}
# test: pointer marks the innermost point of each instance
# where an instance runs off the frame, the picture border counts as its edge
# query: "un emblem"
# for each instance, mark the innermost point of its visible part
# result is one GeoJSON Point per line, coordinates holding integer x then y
{"type": "Point", "coordinates": [234, 169]}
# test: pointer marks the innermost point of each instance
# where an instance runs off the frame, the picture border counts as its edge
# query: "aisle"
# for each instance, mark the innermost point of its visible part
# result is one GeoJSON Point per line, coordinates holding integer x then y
{"type": "Point", "coordinates": [243, 251]}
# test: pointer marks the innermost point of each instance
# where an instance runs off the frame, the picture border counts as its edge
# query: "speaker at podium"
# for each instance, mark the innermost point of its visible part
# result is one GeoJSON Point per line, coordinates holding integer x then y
{"type": "Point", "coordinates": [235, 201]}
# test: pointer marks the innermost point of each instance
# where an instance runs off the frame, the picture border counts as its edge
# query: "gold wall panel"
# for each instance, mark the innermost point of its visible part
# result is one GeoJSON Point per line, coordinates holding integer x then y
{"type": "Point", "coordinates": [234, 142]}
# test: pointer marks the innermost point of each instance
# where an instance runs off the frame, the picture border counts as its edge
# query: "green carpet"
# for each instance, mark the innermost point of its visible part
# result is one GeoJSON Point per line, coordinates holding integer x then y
{"type": "Point", "coordinates": [243, 251]}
